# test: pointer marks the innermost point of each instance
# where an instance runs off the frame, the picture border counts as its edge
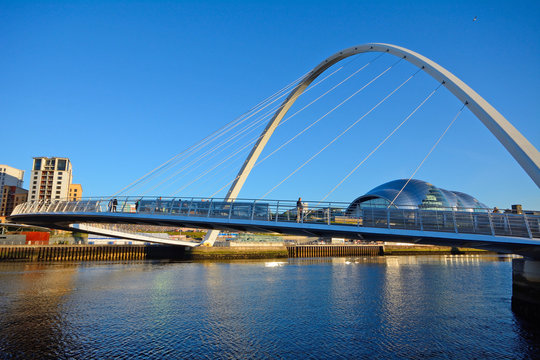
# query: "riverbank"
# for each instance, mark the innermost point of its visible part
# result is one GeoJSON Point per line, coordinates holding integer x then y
{"type": "Point", "coordinates": [152, 252]}
{"type": "Point", "coordinates": [430, 250]}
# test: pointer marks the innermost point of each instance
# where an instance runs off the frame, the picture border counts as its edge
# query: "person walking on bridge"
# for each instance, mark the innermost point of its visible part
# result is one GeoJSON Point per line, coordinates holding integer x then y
{"type": "Point", "coordinates": [299, 210]}
{"type": "Point", "coordinates": [158, 204]}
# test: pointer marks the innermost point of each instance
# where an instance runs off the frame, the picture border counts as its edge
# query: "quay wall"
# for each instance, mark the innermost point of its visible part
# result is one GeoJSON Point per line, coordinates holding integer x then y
{"type": "Point", "coordinates": [89, 252]}
{"type": "Point", "coordinates": [302, 251]}
{"type": "Point", "coordinates": [145, 252]}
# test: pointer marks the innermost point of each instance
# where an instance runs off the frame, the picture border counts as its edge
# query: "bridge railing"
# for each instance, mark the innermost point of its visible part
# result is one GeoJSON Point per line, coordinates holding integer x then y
{"type": "Point", "coordinates": [457, 220]}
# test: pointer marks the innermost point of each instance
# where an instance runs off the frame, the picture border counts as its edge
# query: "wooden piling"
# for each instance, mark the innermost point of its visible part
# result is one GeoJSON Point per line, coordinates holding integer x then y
{"type": "Point", "coordinates": [300, 251]}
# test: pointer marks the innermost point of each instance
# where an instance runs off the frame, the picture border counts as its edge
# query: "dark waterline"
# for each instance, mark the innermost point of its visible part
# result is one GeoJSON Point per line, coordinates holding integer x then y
{"type": "Point", "coordinates": [416, 307]}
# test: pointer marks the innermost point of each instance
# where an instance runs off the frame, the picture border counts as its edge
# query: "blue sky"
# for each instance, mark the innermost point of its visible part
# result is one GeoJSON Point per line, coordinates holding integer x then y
{"type": "Point", "coordinates": [120, 87]}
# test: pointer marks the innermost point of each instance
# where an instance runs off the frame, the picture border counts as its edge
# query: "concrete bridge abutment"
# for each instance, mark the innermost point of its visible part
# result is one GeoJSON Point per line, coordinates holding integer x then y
{"type": "Point", "coordinates": [526, 288]}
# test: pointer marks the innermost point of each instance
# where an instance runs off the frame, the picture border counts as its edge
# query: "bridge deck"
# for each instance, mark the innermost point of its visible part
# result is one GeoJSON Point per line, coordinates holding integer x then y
{"type": "Point", "coordinates": [516, 233]}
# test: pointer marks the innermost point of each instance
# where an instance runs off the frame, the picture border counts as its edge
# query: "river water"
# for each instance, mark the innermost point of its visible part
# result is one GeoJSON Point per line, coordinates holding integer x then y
{"type": "Point", "coordinates": [416, 307]}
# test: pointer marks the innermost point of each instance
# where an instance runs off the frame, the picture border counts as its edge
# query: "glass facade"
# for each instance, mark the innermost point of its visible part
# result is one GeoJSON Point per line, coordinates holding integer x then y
{"type": "Point", "coordinates": [417, 194]}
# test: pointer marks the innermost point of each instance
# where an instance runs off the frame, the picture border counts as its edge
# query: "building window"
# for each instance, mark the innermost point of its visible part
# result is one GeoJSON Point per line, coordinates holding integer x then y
{"type": "Point", "coordinates": [58, 187]}
{"type": "Point", "coordinates": [58, 192]}
{"type": "Point", "coordinates": [59, 178]}
{"type": "Point", "coordinates": [59, 182]}
{"type": "Point", "coordinates": [62, 165]}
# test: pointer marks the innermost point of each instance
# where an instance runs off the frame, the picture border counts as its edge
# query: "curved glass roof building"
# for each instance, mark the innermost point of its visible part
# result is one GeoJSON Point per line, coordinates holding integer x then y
{"type": "Point", "coordinates": [416, 194]}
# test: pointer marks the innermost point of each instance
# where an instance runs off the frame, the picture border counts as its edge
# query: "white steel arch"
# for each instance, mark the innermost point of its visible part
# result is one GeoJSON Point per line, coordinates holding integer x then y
{"type": "Point", "coordinates": [515, 143]}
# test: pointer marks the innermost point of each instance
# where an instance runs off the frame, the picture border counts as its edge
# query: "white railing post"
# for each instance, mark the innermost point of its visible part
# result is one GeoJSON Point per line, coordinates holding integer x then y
{"type": "Point", "coordinates": [454, 220]}
{"type": "Point", "coordinates": [189, 207]}
{"type": "Point", "coordinates": [35, 206]}
{"type": "Point", "coordinates": [491, 224]}
{"type": "Point", "coordinates": [527, 226]}
{"type": "Point", "coordinates": [253, 210]}
{"type": "Point", "coordinates": [86, 206]}
{"type": "Point", "coordinates": [171, 205]}
{"type": "Point", "coordinates": [507, 225]}
{"type": "Point", "coordinates": [277, 211]}
{"type": "Point", "coordinates": [209, 207]}
{"type": "Point", "coordinates": [57, 206]}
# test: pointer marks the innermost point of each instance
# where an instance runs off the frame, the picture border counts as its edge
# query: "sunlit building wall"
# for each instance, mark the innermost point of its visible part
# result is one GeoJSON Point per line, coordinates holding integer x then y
{"type": "Point", "coordinates": [9, 176]}
{"type": "Point", "coordinates": [75, 192]}
{"type": "Point", "coordinates": [50, 179]}
{"type": "Point", "coordinates": [11, 197]}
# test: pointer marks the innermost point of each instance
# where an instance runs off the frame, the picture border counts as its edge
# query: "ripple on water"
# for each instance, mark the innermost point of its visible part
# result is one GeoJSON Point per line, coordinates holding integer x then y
{"type": "Point", "coordinates": [426, 307]}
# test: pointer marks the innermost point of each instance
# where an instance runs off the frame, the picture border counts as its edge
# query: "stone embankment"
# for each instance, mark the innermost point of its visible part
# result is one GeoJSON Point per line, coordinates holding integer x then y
{"type": "Point", "coordinates": [153, 252]}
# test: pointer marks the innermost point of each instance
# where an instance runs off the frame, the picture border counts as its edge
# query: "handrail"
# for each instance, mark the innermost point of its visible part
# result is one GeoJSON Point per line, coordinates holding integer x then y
{"type": "Point", "coordinates": [456, 220]}
{"type": "Point", "coordinates": [325, 204]}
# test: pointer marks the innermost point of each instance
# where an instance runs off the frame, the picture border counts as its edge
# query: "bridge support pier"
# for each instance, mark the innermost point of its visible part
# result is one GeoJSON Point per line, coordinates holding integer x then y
{"type": "Point", "coordinates": [526, 287]}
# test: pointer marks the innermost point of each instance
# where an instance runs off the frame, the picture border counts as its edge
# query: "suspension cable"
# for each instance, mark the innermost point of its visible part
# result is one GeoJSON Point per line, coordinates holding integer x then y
{"type": "Point", "coordinates": [328, 113]}
{"type": "Point", "coordinates": [335, 86]}
{"type": "Point", "coordinates": [255, 139]}
{"type": "Point", "coordinates": [383, 141]}
{"type": "Point", "coordinates": [429, 153]}
{"type": "Point", "coordinates": [263, 117]}
{"type": "Point", "coordinates": [256, 123]}
{"type": "Point", "coordinates": [335, 139]}
{"type": "Point", "coordinates": [208, 140]}
{"type": "Point", "coordinates": [213, 133]}
{"type": "Point", "coordinates": [319, 119]}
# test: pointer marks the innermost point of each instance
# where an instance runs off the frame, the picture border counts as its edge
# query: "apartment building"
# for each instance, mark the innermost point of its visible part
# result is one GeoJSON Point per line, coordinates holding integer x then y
{"type": "Point", "coordinates": [11, 197]}
{"type": "Point", "coordinates": [50, 178]}
{"type": "Point", "coordinates": [11, 177]}
{"type": "Point", "coordinates": [75, 192]}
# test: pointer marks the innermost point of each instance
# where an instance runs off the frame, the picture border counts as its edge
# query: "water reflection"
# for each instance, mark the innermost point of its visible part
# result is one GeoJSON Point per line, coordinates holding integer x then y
{"type": "Point", "coordinates": [31, 309]}
{"type": "Point", "coordinates": [354, 307]}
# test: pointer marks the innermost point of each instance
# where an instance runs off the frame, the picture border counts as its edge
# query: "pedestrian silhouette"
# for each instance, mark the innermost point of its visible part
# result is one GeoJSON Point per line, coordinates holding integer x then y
{"type": "Point", "coordinates": [299, 209]}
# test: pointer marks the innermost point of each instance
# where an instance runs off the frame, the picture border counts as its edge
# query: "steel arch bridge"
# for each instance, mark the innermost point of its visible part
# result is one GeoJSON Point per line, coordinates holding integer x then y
{"type": "Point", "coordinates": [515, 143]}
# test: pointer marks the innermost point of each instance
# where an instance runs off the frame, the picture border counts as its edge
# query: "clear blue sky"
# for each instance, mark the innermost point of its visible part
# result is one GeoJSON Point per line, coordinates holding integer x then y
{"type": "Point", "coordinates": [119, 87]}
